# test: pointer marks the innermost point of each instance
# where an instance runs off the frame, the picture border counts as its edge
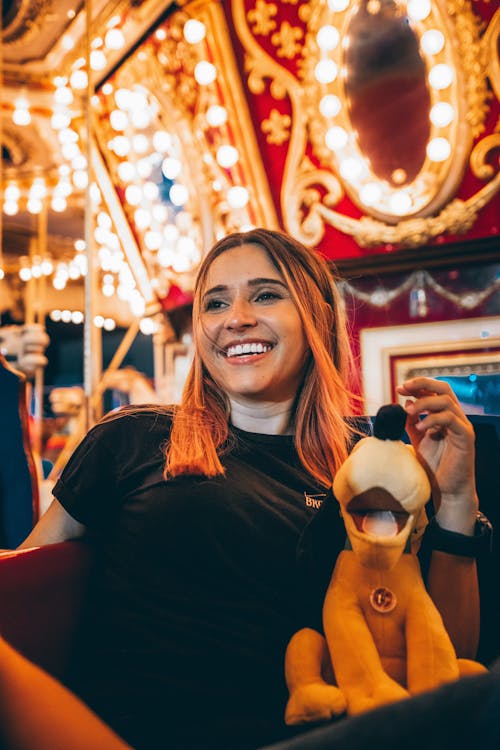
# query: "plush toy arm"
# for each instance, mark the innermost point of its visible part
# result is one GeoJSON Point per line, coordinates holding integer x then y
{"type": "Point", "coordinates": [357, 665]}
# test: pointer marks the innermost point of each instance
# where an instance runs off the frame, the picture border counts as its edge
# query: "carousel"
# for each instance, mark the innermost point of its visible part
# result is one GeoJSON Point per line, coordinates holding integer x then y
{"type": "Point", "coordinates": [135, 134]}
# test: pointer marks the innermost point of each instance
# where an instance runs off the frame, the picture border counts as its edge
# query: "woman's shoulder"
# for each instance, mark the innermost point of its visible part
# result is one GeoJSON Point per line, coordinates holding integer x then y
{"type": "Point", "coordinates": [135, 420]}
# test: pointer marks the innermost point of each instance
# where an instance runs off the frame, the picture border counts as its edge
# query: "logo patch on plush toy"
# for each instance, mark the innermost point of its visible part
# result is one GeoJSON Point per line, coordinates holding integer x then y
{"type": "Point", "coordinates": [384, 638]}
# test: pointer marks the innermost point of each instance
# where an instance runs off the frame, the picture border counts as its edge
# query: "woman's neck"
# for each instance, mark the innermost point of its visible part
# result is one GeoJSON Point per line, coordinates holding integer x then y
{"type": "Point", "coordinates": [266, 419]}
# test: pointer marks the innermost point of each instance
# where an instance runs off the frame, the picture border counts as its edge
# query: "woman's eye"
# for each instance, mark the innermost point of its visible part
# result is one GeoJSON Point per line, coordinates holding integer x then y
{"type": "Point", "coordinates": [265, 296]}
{"type": "Point", "coordinates": [214, 304]}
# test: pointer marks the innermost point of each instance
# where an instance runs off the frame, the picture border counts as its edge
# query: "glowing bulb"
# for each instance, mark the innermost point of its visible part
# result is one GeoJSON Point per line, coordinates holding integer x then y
{"type": "Point", "coordinates": [205, 73]}
{"type": "Point", "coordinates": [25, 274]}
{"type": "Point", "coordinates": [330, 105]}
{"type": "Point", "coordinates": [142, 218]}
{"type": "Point", "coordinates": [178, 194]}
{"type": "Point", "coordinates": [70, 151]}
{"type": "Point", "coordinates": [370, 193]}
{"type": "Point", "coordinates": [438, 149]}
{"type": "Point", "coordinates": [140, 118]}
{"type": "Point", "coordinates": [351, 168]}
{"type": "Point", "coordinates": [194, 31]}
{"type": "Point", "coordinates": [148, 326]}
{"type": "Point", "coordinates": [38, 189]}
{"type": "Point", "coordinates": [237, 196]}
{"type": "Point", "coordinates": [432, 41]}
{"type": "Point", "coordinates": [126, 171]}
{"type": "Point", "coordinates": [67, 42]}
{"type": "Point", "coordinates": [97, 59]}
{"type": "Point", "coordinates": [60, 120]}
{"type": "Point", "coordinates": [216, 115]}
{"type": "Point", "coordinates": [63, 95]}
{"type": "Point", "coordinates": [442, 114]}
{"type": "Point", "coordinates": [123, 98]}
{"type": "Point", "coordinates": [67, 135]}
{"type": "Point", "coordinates": [171, 168]}
{"type": "Point", "coordinates": [440, 77]}
{"type": "Point", "coordinates": [140, 143]}
{"type": "Point", "coordinates": [327, 37]}
{"type": "Point", "coordinates": [58, 203]}
{"type": "Point", "coordinates": [21, 115]}
{"type": "Point", "coordinates": [34, 205]}
{"type": "Point", "coordinates": [133, 195]}
{"type": "Point", "coordinates": [79, 79]}
{"type": "Point", "coordinates": [400, 203]}
{"type": "Point", "coordinates": [325, 71]}
{"type": "Point", "coordinates": [170, 233]}
{"type": "Point", "coordinates": [114, 39]}
{"type": "Point", "coordinates": [162, 141]}
{"type": "Point", "coordinates": [144, 168]}
{"type": "Point", "coordinates": [150, 191]}
{"type": "Point", "coordinates": [227, 156]}
{"type": "Point", "coordinates": [120, 145]}
{"type": "Point", "coordinates": [338, 5]}
{"type": "Point", "coordinates": [80, 179]}
{"type": "Point", "coordinates": [418, 10]}
{"type": "Point", "coordinates": [12, 193]}
{"type": "Point", "coordinates": [77, 317]}
{"type": "Point", "coordinates": [118, 119]}
{"type": "Point", "coordinates": [152, 240]}
{"type": "Point", "coordinates": [10, 208]}
{"type": "Point", "coordinates": [336, 138]}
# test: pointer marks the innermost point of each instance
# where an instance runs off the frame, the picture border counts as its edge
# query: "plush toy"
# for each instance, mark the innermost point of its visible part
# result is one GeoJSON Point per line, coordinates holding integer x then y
{"type": "Point", "coordinates": [384, 637]}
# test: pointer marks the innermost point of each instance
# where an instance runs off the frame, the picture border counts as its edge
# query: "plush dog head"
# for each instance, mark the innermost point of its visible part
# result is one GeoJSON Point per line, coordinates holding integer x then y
{"type": "Point", "coordinates": [382, 490]}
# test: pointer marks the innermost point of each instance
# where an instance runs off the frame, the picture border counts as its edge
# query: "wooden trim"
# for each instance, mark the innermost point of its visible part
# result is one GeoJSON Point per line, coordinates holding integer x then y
{"type": "Point", "coordinates": [450, 255]}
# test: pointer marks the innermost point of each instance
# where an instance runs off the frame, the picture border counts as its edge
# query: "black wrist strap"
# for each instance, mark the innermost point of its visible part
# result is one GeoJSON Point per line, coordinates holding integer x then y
{"type": "Point", "coordinates": [453, 543]}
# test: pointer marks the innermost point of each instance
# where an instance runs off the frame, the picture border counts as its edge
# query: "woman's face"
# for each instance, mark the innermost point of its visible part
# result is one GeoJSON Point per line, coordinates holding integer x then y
{"type": "Point", "coordinates": [251, 339]}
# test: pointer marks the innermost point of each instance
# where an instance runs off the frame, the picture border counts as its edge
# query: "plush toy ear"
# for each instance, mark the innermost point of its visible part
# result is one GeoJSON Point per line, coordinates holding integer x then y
{"type": "Point", "coordinates": [389, 422]}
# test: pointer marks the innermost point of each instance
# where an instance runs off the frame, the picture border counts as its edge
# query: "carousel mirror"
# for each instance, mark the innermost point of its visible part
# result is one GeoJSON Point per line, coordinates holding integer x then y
{"type": "Point", "coordinates": [391, 93]}
{"type": "Point", "coordinates": [386, 84]}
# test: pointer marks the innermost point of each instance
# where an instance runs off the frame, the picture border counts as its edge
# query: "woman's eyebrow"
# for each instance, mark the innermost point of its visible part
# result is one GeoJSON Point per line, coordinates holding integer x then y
{"type": "Point", "coordinates": [219, 288]}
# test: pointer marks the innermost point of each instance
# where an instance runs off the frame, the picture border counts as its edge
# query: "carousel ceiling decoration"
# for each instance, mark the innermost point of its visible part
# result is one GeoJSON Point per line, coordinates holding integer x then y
{"type": "Point", "coordinates": [175, 133]}
{"type": "Point", "coordinates": [140, 138]}
{"type": "Point", "coordinates": [382, 102]}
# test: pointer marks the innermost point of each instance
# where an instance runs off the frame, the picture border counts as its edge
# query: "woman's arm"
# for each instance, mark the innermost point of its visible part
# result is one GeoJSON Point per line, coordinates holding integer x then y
{"type": "Point", "coordinates": [56, 525]}
{"type": "Point", "coordinates": [38, 713]}
{"type": "Point", "coordinates": [443, 438]}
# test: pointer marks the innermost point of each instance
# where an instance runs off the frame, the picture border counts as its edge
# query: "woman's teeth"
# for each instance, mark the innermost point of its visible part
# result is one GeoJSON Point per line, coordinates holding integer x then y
{"type": "Point", "coordinates": [240, 349]}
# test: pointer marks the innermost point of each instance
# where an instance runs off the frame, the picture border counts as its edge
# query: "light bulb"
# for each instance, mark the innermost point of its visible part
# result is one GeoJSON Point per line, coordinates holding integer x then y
{"type": "Point", "coordinates": [205, 73]}
{"type": "Point", "coordinates": [194, 31]}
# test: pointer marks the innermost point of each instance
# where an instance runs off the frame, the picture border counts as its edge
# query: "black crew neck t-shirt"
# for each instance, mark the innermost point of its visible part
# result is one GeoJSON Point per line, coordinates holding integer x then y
{"type": "Point", "coordinates": [195, 593]}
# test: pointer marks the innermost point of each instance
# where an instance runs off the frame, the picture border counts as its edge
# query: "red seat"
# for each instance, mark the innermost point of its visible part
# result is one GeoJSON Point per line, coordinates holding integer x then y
{"type": "Point", "coordinates": [42, 592]}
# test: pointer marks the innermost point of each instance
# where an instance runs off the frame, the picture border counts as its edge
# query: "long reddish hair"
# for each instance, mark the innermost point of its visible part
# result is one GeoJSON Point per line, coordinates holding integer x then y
{"type": "Point", "coordinates": [200, 429]}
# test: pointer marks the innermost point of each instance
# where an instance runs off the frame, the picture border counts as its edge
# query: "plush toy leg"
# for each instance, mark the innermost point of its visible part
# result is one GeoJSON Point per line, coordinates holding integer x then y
{"type": "Point", "coordinates": [469, 667]}
{"type": "Point", "coordinates": [311, 697]}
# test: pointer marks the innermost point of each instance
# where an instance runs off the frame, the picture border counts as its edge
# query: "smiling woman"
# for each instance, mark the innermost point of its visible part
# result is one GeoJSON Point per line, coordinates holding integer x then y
{"type": "Point", "coordinates": [198, 514]}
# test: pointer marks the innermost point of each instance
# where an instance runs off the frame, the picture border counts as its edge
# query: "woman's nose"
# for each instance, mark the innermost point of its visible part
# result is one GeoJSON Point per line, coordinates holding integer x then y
{"type": "Point", "coordinates": [240, 315]}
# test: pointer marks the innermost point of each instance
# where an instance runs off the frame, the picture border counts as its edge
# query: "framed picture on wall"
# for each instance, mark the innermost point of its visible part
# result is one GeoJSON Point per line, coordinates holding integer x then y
{"type": "Point", "coordinates": [466, 353]}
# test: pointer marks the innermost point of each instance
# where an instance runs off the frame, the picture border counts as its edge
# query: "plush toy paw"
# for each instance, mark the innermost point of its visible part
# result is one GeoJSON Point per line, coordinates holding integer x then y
{"type": "Point", "coordinates": [362, 700]}
{"type": "Point", "coordinates": [316, 701]}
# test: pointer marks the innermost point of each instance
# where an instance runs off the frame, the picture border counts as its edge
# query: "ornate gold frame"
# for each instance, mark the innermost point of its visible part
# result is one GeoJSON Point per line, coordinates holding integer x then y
{"type": "Point", "coordinates": [310, 192]}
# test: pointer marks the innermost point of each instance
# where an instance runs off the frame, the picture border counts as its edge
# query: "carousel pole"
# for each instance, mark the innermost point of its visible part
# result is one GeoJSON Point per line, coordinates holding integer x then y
{"type": "Point", "coordinates": [38, 315]}
{"type": "Point", "coordinates": [92, 341]}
